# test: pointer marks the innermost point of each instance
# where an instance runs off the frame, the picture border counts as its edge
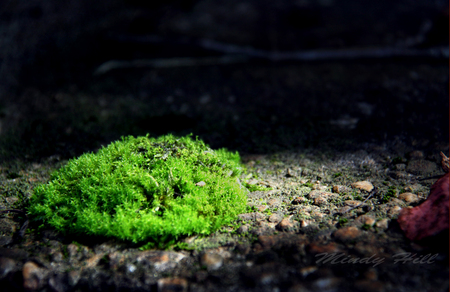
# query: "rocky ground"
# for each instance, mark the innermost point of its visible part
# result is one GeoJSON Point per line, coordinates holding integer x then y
{"type": "Point", "coordinates": [321, 138]}
{"type": "Point", "coordinates": [301, 235]}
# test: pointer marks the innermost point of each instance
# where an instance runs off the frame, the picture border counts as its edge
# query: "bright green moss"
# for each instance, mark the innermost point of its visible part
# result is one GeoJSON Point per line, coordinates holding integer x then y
{"type": "Point", "coordinates": [144, 190]}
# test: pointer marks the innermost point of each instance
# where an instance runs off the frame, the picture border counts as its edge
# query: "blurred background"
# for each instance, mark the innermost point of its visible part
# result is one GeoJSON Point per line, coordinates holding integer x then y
{"type": "Point", "coordinates": [280, 75]}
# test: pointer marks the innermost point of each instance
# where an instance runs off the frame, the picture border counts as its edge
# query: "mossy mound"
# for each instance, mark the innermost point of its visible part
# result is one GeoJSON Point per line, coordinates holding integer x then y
{"type": "Point", "coordinates": [143, 189]}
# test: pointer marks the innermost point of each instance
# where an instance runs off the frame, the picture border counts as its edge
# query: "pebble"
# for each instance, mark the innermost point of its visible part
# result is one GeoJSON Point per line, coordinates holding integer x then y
{"type": "Point", "coordinates": [352, 203]}
{"type": "Point", "coordinates": [363, 185]}
{"type": "Point", "coordinates": [93, 261]}
{"type": "Point", "coordinates": [72, 250]}
{"type": "Point", "coordinates": [262, 208]}
{"type": "Point", "coordinates": [347, 233]}
{"type": "Point", "coordinates": [6, 266]}
{"type": "Point", "coordinates": [394, 211]}
{"type": "Point", "coordinates": [285, 225]}
{"type": "Point", "coordinates": [383, 224]}
{"type": "Point", "coordinates": [255, 216]}
{"type": "Point", "coordinates": [243, 229]}
{"type": "Point", "coordinates": [408, 197]}
{"type": "Point", "coordinates": [290, 173]}
{"type": "Point", "coordinates": [33, 276]}
{"type": "Point", "coordinates": [298, 200]}
{"type": "Point", "coordinates": [307, 270]}
{"type": "Point", "coordinates": [326, 284]}
{"type": "Point", "coordinates": [273, 202]}
{"type": "Point", "coordinates": [320, 201]}
{"type": "Point", "coordinates": [275, 218]}
{"type": "Point", "coordinates": [201, 184]}
{"type": "Point", "coordinates": [212, 261]}
{"type": "Point", "coordinates": [366, 220]}
{"type": "Point", "coordinates": [58, 282]}
{"type": "Point", "coordinates": [172, 285]}
{"type": "Point", "coordinates": [57, 256]}
{"type": "Point", "coordinates": [160, 260]}
{"type": "Point", "coordinates": [340, 189]}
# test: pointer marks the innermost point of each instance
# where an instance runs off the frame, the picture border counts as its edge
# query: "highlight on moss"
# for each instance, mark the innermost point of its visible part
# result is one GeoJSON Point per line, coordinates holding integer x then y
{"type": "Point", "coordinates": [143, 189]}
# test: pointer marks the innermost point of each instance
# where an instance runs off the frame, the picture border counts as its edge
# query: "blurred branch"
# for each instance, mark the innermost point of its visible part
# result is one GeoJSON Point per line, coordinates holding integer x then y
{"type": "Point", "coordinates": [238, 54]}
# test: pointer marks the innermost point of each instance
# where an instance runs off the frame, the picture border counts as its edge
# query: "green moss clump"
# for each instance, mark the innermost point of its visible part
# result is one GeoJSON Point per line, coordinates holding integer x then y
{"type": "Point", "coordinates": [144, 190]}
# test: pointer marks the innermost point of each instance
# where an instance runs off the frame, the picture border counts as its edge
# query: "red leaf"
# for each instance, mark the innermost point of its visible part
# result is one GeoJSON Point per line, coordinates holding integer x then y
{"type": "Point", "coordinates": [431, 217]}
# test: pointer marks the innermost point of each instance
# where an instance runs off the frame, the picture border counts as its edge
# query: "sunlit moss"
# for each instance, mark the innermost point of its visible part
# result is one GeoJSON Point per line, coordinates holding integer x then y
{"type": "Point", "coordinates": [143, 190]}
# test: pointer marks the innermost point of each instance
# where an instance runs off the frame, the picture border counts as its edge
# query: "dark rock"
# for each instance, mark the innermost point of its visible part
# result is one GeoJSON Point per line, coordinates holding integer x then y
{"type": "Point", "coordinates": [172, 285]}
{"type": "Point", "coordinates": [33, 276]}
{"type": "Point", "coordinates": [6, 266]}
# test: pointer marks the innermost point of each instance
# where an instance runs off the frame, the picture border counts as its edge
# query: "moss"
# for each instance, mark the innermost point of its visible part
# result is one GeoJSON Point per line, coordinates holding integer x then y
{"type": "Point", "coordinates": [143, 190]}
{"type": "Point", "coordinates": [391, 192]}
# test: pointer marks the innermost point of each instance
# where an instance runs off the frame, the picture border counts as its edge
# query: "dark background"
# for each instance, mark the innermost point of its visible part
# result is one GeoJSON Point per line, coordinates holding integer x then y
{"type": "Point", "coordinates": [51, 103]}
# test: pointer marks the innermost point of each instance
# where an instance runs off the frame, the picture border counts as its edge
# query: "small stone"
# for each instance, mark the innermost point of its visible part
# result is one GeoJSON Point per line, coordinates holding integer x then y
{"type": "Point", "coordinates": [58, 282]}
{"type": "Point", "coordinates": [339, 189]}
{"type": "Point", "coordinates": [326, 284]}
{"type": "Point", "coordinates": [160, 260]}
{"type": "Point", "coordinates": [57, 256]}
{"type": "Point", "coordinates": [130, 268]}
{"type": "Point", "coordinates": [408, 197]}
{"type": "Point", "coordinates": [366, 220]}
{"type": "Point", "coordinates": [298, 200]}
{"type": "Point", "coordinates": [243, 229]}
{"type": "Point", "coordinates": [320, 201]}
{"type": "Point", "coordinates": [72, 250]}
{"type": "Point", "coordinates": [347, 233]}
{"type": "Point", "coordinates": [394, 211]}
{"type": "Point", "coordinates": [252, 181]}
{"type": "Point", "coordinates": [262, 208]}
{"type": "Point", "coordinates": [352, 203]}
{"type": "Point", "coordinates": [275, 218]}
{"type": "Point", "coordinates": [363, 185]}
{"type": "Point", "coordinates": [172, 285]}
{"type": "Point", "coordinates": [93, 261]}
{"type": "Point", "coordinates": [273, 202]}
{"type": "Point", "coordinates": [212, 261]}
{"type": "Point", "coordinates": [6, 266]}
{"type": "Point", "coordinates": [315, 194]}
{"type": "Point", "coordinates": [317, 214]}
{"type": "Point", "coordinates": [304, 223]}
{"type": "Point", "coordinates": [255, 216]}
{"type": "Point", "coordinates": [267, 278]}
{"type": "Point", "coordinates": [201, 184]}
{"type": "Point", "coordinates": [73, 277]}
{"type": "Point", "coordinates": [318, 186]}
{"type": "Point", "coordinates": [289, 173]}
{"type": "Point", "coordinates": [285, 225]}
{"type": "Point", "coordinates": [382, 224]}
{"type": "Point", "coordinates": [307, 270]}
{"type": "Point", "coordinates": [33, 276]}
